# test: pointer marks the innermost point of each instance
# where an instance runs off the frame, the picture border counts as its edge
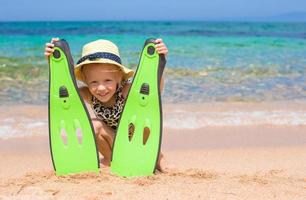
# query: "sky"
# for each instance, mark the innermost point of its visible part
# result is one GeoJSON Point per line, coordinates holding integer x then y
{"type": "Point", "coordinates": [76, 10]}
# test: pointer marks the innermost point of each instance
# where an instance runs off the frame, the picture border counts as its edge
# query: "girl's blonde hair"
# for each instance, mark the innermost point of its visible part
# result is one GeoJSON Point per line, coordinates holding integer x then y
{"type": "Point", "coordinates": [111, 68]}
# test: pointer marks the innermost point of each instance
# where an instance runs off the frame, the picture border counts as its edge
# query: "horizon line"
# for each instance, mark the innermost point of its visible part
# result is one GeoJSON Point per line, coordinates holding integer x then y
{"type": "Point", "coordinates": [168, 20]}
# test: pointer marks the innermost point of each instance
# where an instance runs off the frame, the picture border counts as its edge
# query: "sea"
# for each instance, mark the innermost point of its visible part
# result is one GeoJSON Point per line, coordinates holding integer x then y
{"type": "Point", "coordinates": [208, 61]}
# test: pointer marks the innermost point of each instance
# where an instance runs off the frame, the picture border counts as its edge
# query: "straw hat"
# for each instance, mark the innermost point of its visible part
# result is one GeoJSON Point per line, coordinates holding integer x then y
{"type": "Point", "coordinates": [101, 51]}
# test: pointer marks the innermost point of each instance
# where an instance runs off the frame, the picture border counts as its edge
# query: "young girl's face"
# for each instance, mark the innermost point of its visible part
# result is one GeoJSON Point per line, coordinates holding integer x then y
{"type": "Point", "coordinates": [102, 80]}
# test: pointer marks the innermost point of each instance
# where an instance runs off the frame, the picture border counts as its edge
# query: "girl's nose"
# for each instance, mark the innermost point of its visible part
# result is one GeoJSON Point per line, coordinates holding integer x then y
{"type": "Point", "coordinates": [101, 87]}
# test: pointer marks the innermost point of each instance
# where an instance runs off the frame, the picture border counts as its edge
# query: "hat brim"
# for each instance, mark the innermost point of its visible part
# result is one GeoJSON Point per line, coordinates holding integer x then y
{"type": "Point", "coordinates": [127, 73]}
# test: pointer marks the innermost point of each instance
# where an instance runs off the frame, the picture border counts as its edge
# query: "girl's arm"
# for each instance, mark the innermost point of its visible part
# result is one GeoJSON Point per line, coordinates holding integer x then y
{"type": "Point", "coordinates": [161, 48]}
{"type": "Point", "coordinates": [162, 84]}
{"type": "Point", "coordinates": [84, 92]}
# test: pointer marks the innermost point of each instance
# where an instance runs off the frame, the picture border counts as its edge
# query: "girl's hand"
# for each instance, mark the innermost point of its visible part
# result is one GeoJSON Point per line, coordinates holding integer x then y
{"type": "Point", "coordinates": [160, 46]}
{"type": "Point", "coordinates": [49, 47]}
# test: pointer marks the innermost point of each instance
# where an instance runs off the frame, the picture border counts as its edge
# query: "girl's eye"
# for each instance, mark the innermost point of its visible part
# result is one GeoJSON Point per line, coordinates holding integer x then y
{"type": "Point", "coordinates": [94, 83]}
{"type": "Point", "coordinates": [108, 80]}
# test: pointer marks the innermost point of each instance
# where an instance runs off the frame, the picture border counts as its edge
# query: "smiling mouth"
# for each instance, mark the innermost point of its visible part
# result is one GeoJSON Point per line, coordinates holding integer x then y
{"type": "Point", "coordinates": [103, 95]}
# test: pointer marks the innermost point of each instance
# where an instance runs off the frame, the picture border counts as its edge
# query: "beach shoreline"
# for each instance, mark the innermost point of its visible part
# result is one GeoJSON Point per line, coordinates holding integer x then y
{"type": "Point", "coordinates": [24, 119]}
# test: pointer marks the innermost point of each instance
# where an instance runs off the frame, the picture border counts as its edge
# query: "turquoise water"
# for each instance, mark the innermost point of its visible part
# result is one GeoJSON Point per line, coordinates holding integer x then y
{"type": "Point", "coordinates": [207, 61]}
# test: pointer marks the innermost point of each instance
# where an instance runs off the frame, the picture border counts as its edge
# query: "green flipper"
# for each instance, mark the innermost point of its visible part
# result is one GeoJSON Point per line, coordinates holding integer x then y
{"type": "Point", "coordinates": [132, 156]}
{"type": "Point", "coordinates": [72, 141]}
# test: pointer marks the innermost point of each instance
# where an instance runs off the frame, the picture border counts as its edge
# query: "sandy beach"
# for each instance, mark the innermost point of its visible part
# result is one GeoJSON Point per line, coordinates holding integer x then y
{"type": "Point", "coordinates": [259, 161]}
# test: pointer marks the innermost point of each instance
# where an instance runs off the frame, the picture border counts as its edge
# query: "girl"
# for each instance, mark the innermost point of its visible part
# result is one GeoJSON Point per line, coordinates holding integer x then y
{"type": "Point", "coordinates": [106, 89]}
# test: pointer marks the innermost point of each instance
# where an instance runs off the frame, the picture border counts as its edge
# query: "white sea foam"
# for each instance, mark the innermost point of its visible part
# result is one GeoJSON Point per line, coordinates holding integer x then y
{"type": "Point", "coordinates": [178, 119]}
{"type": "Point", "coordinates": [35, 124]}
{"type": "Point", "coordinates": [7, 131]}
{"type": "Point", "coordinates": [194, 120]}
{"type": "Point", "coordinates": [11, 127]}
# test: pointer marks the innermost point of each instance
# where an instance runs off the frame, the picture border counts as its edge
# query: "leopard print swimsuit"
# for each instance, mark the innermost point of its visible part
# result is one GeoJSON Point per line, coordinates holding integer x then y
{"type": "Point", "coordinates": [110, 115]}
